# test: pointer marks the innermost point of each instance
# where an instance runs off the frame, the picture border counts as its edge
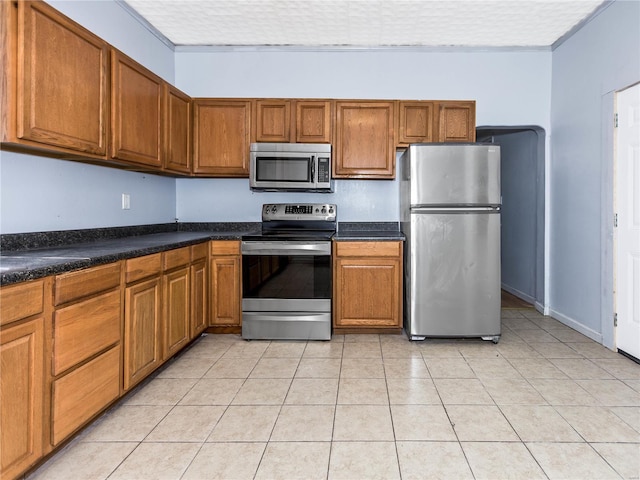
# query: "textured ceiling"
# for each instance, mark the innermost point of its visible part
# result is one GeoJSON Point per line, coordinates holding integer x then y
{"type": "Point", "coordinates": [365, 23]}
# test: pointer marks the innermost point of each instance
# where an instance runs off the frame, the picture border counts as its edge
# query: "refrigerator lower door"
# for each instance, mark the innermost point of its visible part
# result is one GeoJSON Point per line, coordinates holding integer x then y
{"type": "Point", "coordinates": [453, 275]}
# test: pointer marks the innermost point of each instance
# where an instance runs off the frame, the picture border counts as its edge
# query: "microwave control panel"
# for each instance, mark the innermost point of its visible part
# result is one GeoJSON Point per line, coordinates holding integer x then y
{"type": "Point", "coordinates": [324, 170]}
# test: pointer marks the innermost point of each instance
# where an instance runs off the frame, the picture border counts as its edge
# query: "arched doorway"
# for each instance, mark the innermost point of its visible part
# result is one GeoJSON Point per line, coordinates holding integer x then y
{"type": "Point", "coordinates": [523, 208]}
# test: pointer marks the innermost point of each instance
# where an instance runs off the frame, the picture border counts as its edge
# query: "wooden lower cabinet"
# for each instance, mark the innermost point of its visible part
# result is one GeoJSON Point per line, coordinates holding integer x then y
{"type": "Point", "coordinates": [142, 330]}
{"type": "Point", "coordinates": [226, 289]}
{"type": "Point", "coordinates": [367, 287]}
{"type": "Point", "coordinates": [84, 392]}
{"type": "Point", "coordinates": [176, 297]}
{"type": "Point", "coordinates": [199, 297]}
{"type": "Point", "coordinates": [21, 396]}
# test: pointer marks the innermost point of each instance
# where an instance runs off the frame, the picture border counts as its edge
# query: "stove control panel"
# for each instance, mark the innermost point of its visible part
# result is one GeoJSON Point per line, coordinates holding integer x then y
{"type": "Point", "coordinates": [305, 211]}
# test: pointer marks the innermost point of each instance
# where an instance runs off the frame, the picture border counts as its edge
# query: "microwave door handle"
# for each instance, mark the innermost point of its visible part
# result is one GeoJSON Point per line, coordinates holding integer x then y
{"type": "Point", "coordinates": [313, 169]}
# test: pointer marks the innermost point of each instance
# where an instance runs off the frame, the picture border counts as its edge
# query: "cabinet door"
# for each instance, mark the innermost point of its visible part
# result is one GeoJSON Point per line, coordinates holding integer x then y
{"type": "Point", "coordinates": [273, 121]}
{"type": "Point", "coordinates": [136, 112]}
{"type": "Point", "coordinates": [21, 396]}
{"type": "Point", "coordinates": [176, 315]}
{"type": "Point", "coordinates": [415, 122]}
{"type": "Point", "coordinates": [222, 134]}
{"type": "Point", "coordinates": [365, 144]}
{"type": "Point", "coordinates": [199, 295]}
{"type": "Point", "coordinates": [456, 122]}
{"type": "Point", "coordinates": [62, 81]}
{"type": "Point", "coordinates": [142, 331]}
{"type": "Point", "coordinates": [368, 284]}
{"type": "Point", "coordinates": [177, 155]}
{"type": "Point", "coordinates": [313, 122]}
{"type": "Point", "coordinates": [225, 290]}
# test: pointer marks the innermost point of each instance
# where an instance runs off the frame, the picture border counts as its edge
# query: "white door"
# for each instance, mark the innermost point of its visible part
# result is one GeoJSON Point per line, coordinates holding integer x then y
{"type": "Point", "coordinates": [627, 234]}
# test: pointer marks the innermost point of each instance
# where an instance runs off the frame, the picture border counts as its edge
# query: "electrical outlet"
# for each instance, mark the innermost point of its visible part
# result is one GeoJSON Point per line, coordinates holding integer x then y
{"type": "Point", "coordinates": [126, 201]}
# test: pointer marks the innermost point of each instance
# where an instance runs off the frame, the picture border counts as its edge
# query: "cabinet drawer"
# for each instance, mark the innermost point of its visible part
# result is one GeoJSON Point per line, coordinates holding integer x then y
{"type": "Point", "coordinates": [78, 396]}
{"type": "Point", "coordinates": [84, 329]}
{"type": "Point", "coordinates": [198, 252]}
{"type": "Point", "coordinates": [142, 267]}
{"type": "Point", "coordinates": [75, 285]}
{"type": "Point", "coordinates": [21, 301]}
{"type": "Point", "coordinates": [225, 247]}
{"type": "Point", "coordinates": [368, 249]}
{"type": "Point", "coordinates": [176, 258]}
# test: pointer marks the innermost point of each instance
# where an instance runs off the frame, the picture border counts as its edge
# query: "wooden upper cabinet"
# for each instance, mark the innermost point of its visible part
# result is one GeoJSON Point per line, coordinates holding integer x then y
{"type": "Point", "coordinates": [456, 121]}
{"type": "Point", "coordinates": [415, 122]}
{"type": "Point", "coordinates": [313, 121]}
{"type": "Point", "coordinates": [222, 134]}
{"type": "Point", "coordinates": [61, 83]}
{"type": "Point", "coordinates": [364, 140]}
{"type": "Point", "coordinates": [136, 112]}
{"type": "Point", "coordinates": [273, 121]}
{"type": "Point", "coordinates": [177, 134]}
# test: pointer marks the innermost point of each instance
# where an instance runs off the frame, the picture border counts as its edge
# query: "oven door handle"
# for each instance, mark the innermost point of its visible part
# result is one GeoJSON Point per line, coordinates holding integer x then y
{"type": "Point", "coordinates": [286, 248]}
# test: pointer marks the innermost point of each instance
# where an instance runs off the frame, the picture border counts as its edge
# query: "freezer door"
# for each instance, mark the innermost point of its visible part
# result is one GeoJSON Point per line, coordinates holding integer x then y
{"type": "Point", "coordinates": [453, 274]}
{"type": "Point", "coordinates": [443, 174]}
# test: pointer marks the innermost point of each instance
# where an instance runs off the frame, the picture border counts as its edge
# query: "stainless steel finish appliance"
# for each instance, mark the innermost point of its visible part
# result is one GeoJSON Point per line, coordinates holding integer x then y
{"type": "Point", "coordinates": [286, 273]}
{"type": "Point", "coordinates": [450, 214]}
{"type": "Point", "coordinates": [290, 166]}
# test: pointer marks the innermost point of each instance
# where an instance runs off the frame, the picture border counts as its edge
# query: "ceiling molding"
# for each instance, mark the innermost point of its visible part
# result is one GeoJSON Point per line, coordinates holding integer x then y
{"type": "Point", "coordinates": [581, 24]}
{"type": "Point", "coordinates": [145, 23]}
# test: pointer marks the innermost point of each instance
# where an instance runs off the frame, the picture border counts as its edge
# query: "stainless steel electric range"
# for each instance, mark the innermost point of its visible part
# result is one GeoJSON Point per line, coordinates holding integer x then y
{"type": "Point", "coordinates": [286, 273]}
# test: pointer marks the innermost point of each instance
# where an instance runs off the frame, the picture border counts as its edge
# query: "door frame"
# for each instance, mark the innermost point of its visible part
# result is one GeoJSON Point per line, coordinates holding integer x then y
{"type": "Point", "coordinates": [607, 211]}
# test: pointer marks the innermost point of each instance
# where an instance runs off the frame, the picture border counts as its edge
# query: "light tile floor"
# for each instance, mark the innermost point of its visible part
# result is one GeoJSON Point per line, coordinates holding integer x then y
{"type": "Point", "coordinates": [545, 402]}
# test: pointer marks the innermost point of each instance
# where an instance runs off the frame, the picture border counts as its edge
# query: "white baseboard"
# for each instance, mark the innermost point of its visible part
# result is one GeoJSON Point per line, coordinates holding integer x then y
{"type": "Point", "coordinates": [543, 309]}
{"type": "Point", "coordinates": [570, 322]}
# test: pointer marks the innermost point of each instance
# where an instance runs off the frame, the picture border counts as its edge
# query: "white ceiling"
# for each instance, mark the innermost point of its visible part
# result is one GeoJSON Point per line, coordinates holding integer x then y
{"type": "Point", "coordinates": [365, 23]}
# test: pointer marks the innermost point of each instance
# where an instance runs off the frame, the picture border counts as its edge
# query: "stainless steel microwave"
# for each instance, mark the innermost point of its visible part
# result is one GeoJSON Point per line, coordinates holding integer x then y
{"type": "Point", "coordinates": [290, 166]}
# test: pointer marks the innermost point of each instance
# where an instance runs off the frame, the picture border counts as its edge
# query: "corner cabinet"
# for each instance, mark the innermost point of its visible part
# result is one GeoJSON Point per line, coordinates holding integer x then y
{"type": "Point", "coordinates": [222, 135]}
{"type": "Point", "coordinates": [136, 112]}
{"type": "Point", "coordinates": [367, 284]}
{"type": "Point", "coordinates": [364, 140]}
{"type": "Point", "coordinates": [55, 78]}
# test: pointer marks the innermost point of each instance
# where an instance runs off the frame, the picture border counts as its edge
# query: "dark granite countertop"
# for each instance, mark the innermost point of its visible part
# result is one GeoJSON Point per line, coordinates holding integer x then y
{"type": "Point", "coordinates": [29, 256]}
{"type": "Point", "coordinates": [368, 231]}
{"type": "Point", "coordinates": [20, 265]}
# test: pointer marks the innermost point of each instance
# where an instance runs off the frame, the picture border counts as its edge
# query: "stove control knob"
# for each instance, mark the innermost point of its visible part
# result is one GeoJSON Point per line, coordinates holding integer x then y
{"type": "Point", "coordinates": [330, 209]}
{"type": "Point", "coordinates": [324, 209]}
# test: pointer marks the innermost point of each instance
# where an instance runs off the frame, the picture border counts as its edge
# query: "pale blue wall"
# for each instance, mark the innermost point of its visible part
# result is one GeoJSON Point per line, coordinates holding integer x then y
{"type": "Point", "coordinates": [42, 194]}
{"type": "Point", "coordinates": [602, 57]}
{"type": "Point", "coordinates": [510, 88]}
{"type": "Point", "coordinates": [46, 194]}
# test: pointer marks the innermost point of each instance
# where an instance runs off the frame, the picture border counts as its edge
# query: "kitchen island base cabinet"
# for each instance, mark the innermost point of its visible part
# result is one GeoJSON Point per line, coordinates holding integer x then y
{"type": "Point", "coordinates": [367, 289]}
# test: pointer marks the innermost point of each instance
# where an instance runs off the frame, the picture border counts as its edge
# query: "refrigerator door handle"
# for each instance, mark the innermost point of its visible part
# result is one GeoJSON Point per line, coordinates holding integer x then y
{"type": "Point", "coordinates": [449, 209]}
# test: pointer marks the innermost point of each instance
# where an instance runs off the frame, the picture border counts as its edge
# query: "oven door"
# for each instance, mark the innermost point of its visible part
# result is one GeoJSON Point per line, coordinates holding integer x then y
{"type": "Point", "coordinates": [286, 290]}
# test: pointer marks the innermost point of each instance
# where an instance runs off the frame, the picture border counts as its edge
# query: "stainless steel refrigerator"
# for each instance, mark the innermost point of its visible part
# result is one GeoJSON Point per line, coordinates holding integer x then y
{"type": "Point", "coordinates": [450, 214]}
